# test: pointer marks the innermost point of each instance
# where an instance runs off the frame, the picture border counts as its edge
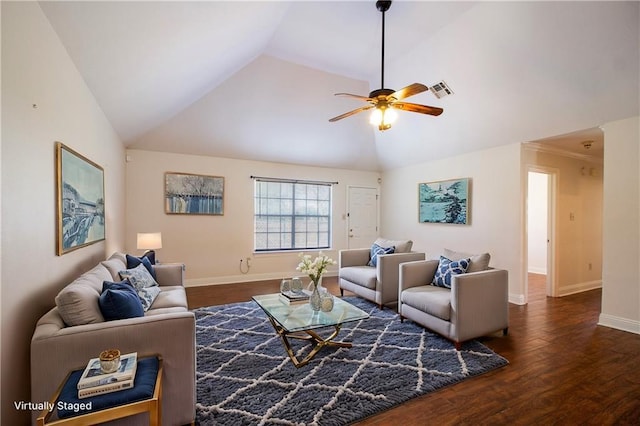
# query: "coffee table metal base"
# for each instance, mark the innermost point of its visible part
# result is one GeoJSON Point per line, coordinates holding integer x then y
{"type": "Point", "coordinates": [310, 336]}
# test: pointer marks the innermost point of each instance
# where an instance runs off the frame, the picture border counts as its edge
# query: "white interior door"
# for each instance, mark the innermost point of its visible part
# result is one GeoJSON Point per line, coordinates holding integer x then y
{"type": "Point", "coordinates": [362, 216]}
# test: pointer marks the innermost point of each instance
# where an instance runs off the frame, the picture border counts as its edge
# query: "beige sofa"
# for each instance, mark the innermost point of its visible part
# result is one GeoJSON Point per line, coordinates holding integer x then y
{"type": "Point", "coordinates": [379, 283]}
{"type": "Point", "coordinates": [476, 304]}
{"type": "Point", "coordinates": [74, 331]}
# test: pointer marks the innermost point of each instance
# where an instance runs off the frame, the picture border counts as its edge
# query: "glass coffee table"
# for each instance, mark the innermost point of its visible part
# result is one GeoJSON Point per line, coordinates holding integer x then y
{"type": "Point", "coordinates": [298, 321]}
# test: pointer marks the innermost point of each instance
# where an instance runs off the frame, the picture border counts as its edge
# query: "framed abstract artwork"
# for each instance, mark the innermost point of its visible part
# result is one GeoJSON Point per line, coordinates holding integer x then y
{"type": "Point", "coordinates": [187, 193]}
{"type": "Point", "coordinates": [80, 200]}
{"type": "Point", "coordinates": [445, 201]}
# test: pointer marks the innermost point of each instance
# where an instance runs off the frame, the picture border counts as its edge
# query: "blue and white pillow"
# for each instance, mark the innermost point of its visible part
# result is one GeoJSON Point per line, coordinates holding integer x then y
{"type": "Point", "coordinates": [133, 261]}
{"type": "Point", "coordinates": [447, 268]}
{"type": "Point", "coordinates": [139, 277]}
{"type": "Point", "coordinates": [146, 287]}
{"type": "Point", "coordinates": [377, 250]}
{"type": "Point", "coordinates": [147, 295]}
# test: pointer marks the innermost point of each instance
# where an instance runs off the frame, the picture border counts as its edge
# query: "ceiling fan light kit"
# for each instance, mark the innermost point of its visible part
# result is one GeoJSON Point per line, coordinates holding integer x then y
{"type": "Point", "coordinates": [385, 101]}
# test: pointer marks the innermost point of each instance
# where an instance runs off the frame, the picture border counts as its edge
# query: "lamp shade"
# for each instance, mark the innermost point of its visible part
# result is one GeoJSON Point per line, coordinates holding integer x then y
{"type": "Point", "coordinates": [149, 240]}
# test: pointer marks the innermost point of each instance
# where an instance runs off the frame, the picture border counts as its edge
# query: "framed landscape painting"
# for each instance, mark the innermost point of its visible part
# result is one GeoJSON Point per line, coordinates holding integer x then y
{"type": "Point", "coordinates": [187, 193]}
{"type": "Point", "coordinates": [80, 199]}
{"type": "Point", "coordinates": [444, 201]}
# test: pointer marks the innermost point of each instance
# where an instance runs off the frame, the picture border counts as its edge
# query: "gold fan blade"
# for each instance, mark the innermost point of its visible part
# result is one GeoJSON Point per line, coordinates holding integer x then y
{"type": "Point", "coordinates": [410, 90]}
{"type": "Point", "coordinates": [364, 98]}
{"type": "Point", "coordinates": [422, 109]}
{"type": "Point", "coordinates": [347, 114]}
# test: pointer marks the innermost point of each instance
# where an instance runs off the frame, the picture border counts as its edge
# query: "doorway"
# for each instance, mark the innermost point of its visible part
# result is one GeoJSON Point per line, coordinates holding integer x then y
{"type": "Point", "coordinates": [541, 196]}
{"type": "Point", "coordinates": [362, 216]}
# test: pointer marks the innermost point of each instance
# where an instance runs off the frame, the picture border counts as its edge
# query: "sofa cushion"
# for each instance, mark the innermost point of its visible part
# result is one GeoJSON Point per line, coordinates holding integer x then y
{"type": "Point", "coordinates": [364, 276]}
{"type": "Point", "coordinates": [377, 250]}
{"type": "Point", "coordinates": [430, 299]}
{"type": "Point", "coordinates": [402, 246]}
{"type": "Point", "coordinates": [171, 296]}
{"type": "Point", "coordinates": [114, 265]}
{"type": "Point", "coordinates": [133, 261]}
{"type": "Point", "coordinates": [119, 301]}
{"type": "Point", "coordinates": [78, 302]}
{"type": "Point", "coordinates": [447, 268]}
{"type": "Point", "coordinates": [479, 262]}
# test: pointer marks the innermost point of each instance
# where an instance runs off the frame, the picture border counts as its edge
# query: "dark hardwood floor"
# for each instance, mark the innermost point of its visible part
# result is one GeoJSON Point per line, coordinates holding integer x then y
{"type": "Point", "coordinates": [563, 368]}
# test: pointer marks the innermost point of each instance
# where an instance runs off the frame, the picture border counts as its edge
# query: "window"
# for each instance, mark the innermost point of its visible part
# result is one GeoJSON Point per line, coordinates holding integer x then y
{"type": "Point", "coordinates": [292, 215]}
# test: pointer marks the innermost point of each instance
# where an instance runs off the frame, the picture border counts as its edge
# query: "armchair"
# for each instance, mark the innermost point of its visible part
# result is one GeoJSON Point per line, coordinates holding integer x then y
{"type": "Point", "coordinates": [379, 283]}
{"type": "Point", "coordinates": [475, 305]}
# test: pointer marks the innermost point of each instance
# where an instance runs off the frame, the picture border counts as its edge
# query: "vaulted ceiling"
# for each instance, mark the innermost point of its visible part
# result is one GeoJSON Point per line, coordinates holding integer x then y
{"type": "Point", "coordinates": [256, 80]}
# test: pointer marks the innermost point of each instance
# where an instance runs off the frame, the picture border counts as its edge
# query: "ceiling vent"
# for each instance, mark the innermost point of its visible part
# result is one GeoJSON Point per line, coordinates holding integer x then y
{"type": "Point", "coordinates": [441, 90]}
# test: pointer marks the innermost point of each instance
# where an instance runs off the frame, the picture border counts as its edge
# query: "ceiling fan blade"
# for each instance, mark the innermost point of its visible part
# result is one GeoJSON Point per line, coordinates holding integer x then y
{"type": "Point", "coordinates": [410, 90]}
{"type": "Point", "coordinates": [364, 98]}
{"type": "Point", "coordinates": [347, 114]}
{"type": "Point", "coordinates": [422, 109]}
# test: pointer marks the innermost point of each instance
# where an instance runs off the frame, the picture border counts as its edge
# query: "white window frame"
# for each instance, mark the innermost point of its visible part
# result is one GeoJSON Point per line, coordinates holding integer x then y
{"type": "Point", "coordinates": [292, 215]}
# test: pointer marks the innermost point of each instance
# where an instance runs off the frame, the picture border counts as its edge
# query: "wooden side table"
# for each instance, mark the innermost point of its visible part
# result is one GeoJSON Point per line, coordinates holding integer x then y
{"type": "Point", "coordinates": [151, 403]}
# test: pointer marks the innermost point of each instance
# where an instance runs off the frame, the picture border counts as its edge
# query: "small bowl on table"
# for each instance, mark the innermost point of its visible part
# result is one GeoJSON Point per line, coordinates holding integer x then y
{"type": "Point", "coordinates": [109, 360]}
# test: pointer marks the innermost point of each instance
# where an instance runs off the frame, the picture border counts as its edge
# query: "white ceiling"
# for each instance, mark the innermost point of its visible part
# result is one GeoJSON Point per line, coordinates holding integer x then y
{"type": "Point", "coordinates": [255, 80]}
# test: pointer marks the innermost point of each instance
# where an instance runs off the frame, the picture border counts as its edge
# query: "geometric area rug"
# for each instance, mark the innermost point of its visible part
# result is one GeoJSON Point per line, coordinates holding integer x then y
{"type": "Point", "coordinates": [244, 376]}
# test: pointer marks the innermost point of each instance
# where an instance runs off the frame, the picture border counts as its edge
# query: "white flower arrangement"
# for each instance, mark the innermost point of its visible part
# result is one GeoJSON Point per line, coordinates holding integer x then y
{"type": "Point", "coordinates": [316, 267]}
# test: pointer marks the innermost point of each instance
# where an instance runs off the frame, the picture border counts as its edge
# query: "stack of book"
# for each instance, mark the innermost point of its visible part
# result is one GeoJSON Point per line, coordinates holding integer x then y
{"type": "Point", "coordinates": [94, 382]}
{"type": "Point", "coordinates": [294, 298]}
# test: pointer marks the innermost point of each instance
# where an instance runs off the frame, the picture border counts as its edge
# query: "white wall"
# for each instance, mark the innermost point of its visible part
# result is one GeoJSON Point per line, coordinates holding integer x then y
{"type": "Point", "coordinates": [537, 217]}
{"type": "Point", "coordinates": [37, 70]}
{"type": "Point", "coordinates": [621, 243]}
{"type": "Point", "coordinates": [495, 209]}
{"type": "Point", "coordinates": [212, 246]}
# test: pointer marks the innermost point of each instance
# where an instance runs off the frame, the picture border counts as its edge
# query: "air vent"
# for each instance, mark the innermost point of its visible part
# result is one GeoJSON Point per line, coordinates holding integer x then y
{"type": "Point", "coordinates": [441, 90]}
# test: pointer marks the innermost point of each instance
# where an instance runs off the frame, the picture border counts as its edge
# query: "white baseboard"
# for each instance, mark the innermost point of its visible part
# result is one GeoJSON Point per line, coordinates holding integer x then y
{"type": "Point", "coordinates": [246, 278]}
{"type": "Point", "coordinates": [579, 288]}
{"type": "Point", "coordinates": [538, 270]}
{"type": "Point", "coordinates": [517, 299]}
{"type": "Point", "coordinates": [624, 324]}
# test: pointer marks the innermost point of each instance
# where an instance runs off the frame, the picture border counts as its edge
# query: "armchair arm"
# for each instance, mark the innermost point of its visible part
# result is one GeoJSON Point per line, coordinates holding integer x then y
{"type": "Point", "coordinates": [413, 274]}
{"type": "Point", "coordinates": [479, 303]}
{"type": "Point", "coordinates": [388, 272]}
{"type": "Point", "coordinates": [353, 257]}
{"type": "Point", "coordinates": [168, 274]}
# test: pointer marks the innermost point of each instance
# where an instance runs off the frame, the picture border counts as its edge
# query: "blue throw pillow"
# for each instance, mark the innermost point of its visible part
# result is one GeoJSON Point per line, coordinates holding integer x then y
{"type": "Point", "coordinates": [151, 255]}
{"type": "Point", "coordinates": [447, 268]}
{"type": "Point", "coordinates": [377, 250]}
{"type": "Point", "coordinates": [133, 261]}
{"type": "Point", "coordinates": [119, 301]}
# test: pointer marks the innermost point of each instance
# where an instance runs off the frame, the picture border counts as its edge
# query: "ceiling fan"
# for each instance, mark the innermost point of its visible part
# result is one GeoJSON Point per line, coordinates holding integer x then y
{"type": "Point", "coordinates": [384, 101]}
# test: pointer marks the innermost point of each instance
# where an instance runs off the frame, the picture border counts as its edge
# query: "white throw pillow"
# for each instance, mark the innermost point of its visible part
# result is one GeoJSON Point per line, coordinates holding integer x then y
{"type": "Point", "coordinates": [479, 262]}
{"type": "Point", "coordinates": [402, 246]}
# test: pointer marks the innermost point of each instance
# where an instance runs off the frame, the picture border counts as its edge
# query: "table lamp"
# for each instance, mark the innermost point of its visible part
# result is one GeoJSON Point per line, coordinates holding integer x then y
{"type": "Point", "coordinates": [149, 241]}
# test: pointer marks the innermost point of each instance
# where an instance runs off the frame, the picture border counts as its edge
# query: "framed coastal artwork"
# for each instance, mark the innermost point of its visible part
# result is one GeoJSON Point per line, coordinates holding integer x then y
{"type": "Point", "coordinates": [80, 200]}
{"type": "Point", "coordinates": [187, 193]}
{"type": "Point", "coordinates": [445, 201]}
